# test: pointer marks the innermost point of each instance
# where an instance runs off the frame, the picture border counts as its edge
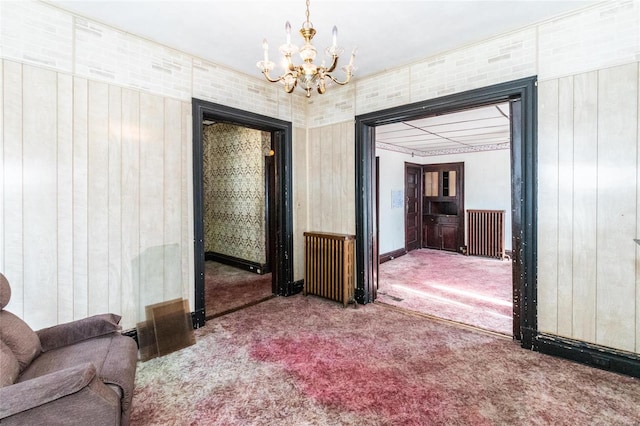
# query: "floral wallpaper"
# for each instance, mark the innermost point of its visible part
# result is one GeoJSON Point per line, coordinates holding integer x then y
{"type": "Point", "coordinates": [234, 191]}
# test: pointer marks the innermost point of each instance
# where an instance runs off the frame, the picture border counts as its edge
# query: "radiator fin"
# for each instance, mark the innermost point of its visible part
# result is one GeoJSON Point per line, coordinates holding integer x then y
{"type": "Point", "coordinates": [485, 233]}
{"type": "Point", "coordinates": [329, 269]}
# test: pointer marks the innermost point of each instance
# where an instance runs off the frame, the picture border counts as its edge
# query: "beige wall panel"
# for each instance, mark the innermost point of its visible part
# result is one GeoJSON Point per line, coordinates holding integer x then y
{"type": "Point", "coordinates": [350, 207]}
{"type": "Point", "coordinates": [617, 174]}
{"type": "Point", "coordinates": [172, 199]}
{"type": "Point", "coordinates": [585, 176]}
{"type": "Point", "coordinates": [80, 194]}
{"type": "Point", "coordinates": [151, 257]}
{"type": "Point", "coordinates": [300, 193]}
{"type": "Point", "coordinates": [40, 196]}
{"type": "Point", "coordinates": [65, 197]}
{"type": "Point", "coordinates": [188, 282]}
{"type": "Point", "coordinates": [339, 175]}
{"type": "Point", "coordinates": [638, 235]}
{"type": "Point", "coordinates": [2, 163]}
{"type": "Point", "coordinates": [548, 206]}
{"type": "Point", "coordinates": [349, 178]}
{"type": "Point", "coordinates": [314, 179]}
{"type": "Point", "coordinates": [115, 199]}
{"type": "Point", "coordinates": [12, 175]}
{"type": "Point", "coordinates": [130, 207]}
{"type": "Point", "coordinates": [98, 198]}
{"type": "Point", "coordinates": [327, 191]}
{"type": "Point", "coordinates": [565, 206]}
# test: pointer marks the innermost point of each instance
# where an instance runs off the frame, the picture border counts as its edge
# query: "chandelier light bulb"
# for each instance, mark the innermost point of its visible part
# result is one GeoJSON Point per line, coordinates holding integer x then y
{"type": "Point", "coordinates": [287, 28]}
{"type": "Point", "coordinates": [334, 32]}
{"type": "Point", "coordinates": [265, 46]}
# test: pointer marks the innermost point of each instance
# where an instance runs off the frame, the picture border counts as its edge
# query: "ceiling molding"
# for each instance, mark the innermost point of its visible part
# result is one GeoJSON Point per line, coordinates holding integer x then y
{"type": "Point", "coordinates": [461, 150]}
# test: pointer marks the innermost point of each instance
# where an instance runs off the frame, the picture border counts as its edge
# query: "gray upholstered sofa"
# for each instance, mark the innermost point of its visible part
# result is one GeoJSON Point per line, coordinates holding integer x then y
{"type": "Point", "coordinates": [78, 373]}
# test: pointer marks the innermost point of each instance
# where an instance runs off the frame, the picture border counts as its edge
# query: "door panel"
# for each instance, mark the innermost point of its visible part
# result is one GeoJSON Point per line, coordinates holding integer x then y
{"type": "Point", "coordinates": [412, 221]}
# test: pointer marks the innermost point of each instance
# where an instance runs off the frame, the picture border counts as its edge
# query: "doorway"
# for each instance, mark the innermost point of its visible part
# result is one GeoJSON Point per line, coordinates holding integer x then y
{"type": "Point", "coordinates": [280, 207]}
{"type": "Point", "coordinates": [521, 95]}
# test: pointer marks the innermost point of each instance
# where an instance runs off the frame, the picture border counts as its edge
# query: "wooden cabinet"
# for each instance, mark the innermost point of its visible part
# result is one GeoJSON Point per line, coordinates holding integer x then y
{"type": "Point", "coordinates": [443, 206]}
{"type": "Point", "coordinates": [441, 232]}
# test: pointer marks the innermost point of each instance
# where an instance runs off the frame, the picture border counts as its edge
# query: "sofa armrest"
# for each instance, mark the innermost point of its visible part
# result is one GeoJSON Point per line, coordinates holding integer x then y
{"type": "Point", "coordinates": [32, 393]}
{"type": "Point", "coordinates": [76, 331]}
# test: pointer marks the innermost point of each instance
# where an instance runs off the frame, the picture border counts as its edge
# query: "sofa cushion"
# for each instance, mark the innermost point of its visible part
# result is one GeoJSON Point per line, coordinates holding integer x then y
{"type": "Point", "coordinates": [9, 367]}
{"type": "Point", "coordinates": [113, 355]}
{"type": "Point", "coordinates": [20, 338]}
{"type": "Point", "coordinates": [5, 291]}
{"type": "Point", "coordinates": [76, 331]}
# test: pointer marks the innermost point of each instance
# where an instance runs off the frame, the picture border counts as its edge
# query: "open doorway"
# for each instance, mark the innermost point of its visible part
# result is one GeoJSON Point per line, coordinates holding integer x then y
{"type": "Point", "coordinates": [277, 180]}
{"type": "Point", "coordinates": [521, 95]}
{"type": "Point", "coordinates": [456, 169]}
{"type": "Point", "coordinates": [238, 233]}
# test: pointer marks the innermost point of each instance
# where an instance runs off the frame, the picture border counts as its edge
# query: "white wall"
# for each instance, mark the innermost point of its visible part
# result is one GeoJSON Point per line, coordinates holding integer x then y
{"type": "Point", "coordinates": [391, 179]}
{"type": "Point", "coordinates": [487, 185]}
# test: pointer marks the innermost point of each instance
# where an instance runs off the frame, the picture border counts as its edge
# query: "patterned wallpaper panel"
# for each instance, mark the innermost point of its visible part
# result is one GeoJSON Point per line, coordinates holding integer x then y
{"type": "Point", "coordinates": [234, 193]}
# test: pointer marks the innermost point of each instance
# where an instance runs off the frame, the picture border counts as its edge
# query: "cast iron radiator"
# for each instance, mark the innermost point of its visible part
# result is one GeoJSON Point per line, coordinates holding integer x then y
{"type": "Point", "coordinates": [329, 266]}
{"type": "Point", "coordinates": [485, 233]}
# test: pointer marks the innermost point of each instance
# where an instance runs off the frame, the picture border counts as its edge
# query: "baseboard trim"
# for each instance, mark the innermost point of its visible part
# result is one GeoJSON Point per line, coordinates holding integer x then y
{"type": "Point", "coordinates": [391, 255]}
{"type": "Point", "coordinates": [255, 267]}
{"type": "Point", "coordinates": [586, 353]}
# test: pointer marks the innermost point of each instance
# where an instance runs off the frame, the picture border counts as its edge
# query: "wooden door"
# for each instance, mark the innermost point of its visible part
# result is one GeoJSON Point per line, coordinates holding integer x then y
{"type": "Point", "coordinates": [413, 209]}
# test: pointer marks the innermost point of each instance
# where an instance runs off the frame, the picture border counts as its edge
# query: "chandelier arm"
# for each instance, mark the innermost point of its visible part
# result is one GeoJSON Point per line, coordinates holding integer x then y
{"type": "Point", "coordinates": [271, 80]}
{"type": "Point", "coordinates": [293, 86]}
{"type": "Point", "coordinates": [341, 83]}
{"type": "Point", "coordinates": [334, 64]}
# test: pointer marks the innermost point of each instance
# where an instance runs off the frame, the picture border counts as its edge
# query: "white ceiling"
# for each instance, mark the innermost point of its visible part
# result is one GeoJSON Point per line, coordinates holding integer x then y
{"type": "Point", "coordinates": [386, 33]}
{"type": "Point", "coordinates": [482, 128]}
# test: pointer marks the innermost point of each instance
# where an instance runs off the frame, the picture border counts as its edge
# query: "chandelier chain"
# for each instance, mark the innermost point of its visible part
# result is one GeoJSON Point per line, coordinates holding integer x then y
{"type": "Point", "coordinates": [307, 14]}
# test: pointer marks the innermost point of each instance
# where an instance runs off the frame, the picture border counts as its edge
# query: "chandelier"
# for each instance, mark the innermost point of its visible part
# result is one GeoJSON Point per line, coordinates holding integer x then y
{"type": "Point", "coordinates": [307, 75]}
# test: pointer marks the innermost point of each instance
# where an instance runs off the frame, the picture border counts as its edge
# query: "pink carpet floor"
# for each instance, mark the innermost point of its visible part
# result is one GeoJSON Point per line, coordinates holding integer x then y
{"type": "Point", "coordinates": [308, 361]}
{"type": "Point", "coordinates": [228, 288]}
{"type": "Point", "coordinates": [468, 289]}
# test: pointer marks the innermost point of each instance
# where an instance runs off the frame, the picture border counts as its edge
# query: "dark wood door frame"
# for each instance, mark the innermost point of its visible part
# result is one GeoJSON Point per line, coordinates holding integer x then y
{"type": "Point", "coordinates": [282, 255]}
{"type": "Point", "coordinates": [523, 93]}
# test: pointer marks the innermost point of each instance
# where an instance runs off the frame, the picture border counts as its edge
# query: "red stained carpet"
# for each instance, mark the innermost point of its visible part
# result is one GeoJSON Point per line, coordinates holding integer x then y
{"type": "Point", "coordinates": [228, 288]}
{"type": "Point", "coordinates": [308, 361]}
{"type": "Point", "coordinates": [467, 289]}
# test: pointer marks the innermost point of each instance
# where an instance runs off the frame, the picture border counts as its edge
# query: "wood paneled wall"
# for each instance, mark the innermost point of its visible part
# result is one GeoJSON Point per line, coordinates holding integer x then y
{"type": "Point", "coordinates": [331, 178]}
{"type": "Point", "coordinates": [95, 197]}
{"type": "Point", "coordinates": [589, 207]}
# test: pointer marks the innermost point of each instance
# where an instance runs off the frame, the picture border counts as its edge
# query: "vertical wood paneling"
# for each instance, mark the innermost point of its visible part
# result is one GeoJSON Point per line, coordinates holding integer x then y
{"type": "Point", "coordinates": [98, 197]}
{"type": "Point", "coordinates": [548, 206]}
{"type": "Point", "coordinates": [340, 177]}
{"type": "Point", "coordinates": [80, 194]}
{"type": "Point", "coordinates": [565, 206]}
{"type": "Point", "coordinates": [585, 151]}
{"type": "Point", "coordinates": [115, 199]}
{"type": "Point", "coordinates": [638, 223]}
{"type": "Point", "coordinates": [300, 193]}
{"type": "Point", "coordinates": [65, 197]}
{"type": "Point", "coordinates": [130, 207]}
{"type": "Point", "coordinates": [315, 169]}
{"type": "Point", "coordinates": [617, 154]}
{"type": "Point", "coordinates": [188, 281]}
{"type": "Point", "coordinates": [327, 194]}
{"type": "Point", "coordinates": [40, 200]}
{"type": "Point", "coordinates": [349, 215]}
{"type": "Point", "coordinates": [151, 257]}
{"type": "Point", "coordinates": [172, 198]}
{"type": "Point", "coordinates": [2, 163]}
{"type": "Point", "coordinates": [12, 196]}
